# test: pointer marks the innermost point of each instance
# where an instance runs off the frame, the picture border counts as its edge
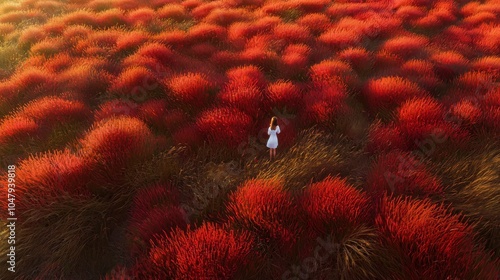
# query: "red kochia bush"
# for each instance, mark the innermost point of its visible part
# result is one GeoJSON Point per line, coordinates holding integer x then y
{"type": "Point", "coordinates": [410, 12]}
{"type": "Point", "coordinates": [48, 47]}
{"type": "Point", "coordinates": [191, 4]}
{"type": "Point", "coordinates": [104, 39]}
{"type": "Point", "coordinates": [131, 40]}
{"type": "Point", "coordinates": [175, 38]}
{"type": "Point", "coordinates": [266, 208]}
{"type": "Point", "coordinates": [141, 16]}
{"type": "Point", "coordinates": [386, 63]}
{"type": "Point", "coordinates": [117, 141]}
{"type": "Point", "coordinates": [134, 81]}
{"type": "Point", "coordinates": [474, 83]}
{"type": "Point", "coordinates": [157, 69]}
{"type": "Point", "coordinates": [334, 206]}
{"type": "Point", "coordinates": [247, 97]}
{"type": "Point", "coordinates": [292, 32]}
{"type": "Point", "coordinates": [333, 69]}
{"type": "Point", "coordinates": [80, 17]}
{"type": "Point", "coordinates": [491, 107]}
{"type": "Point", "coordinates": [284, 94]}
{"type": "Point", "coordinates": [421, 71]}
{"type": "Point", "coordinates": [6, 28]}
{"type": "Point", "coordinates": [191, 89]}
{"type": "Point", "coordinates": [53, 110]}
{"type": "Point", "coordinates": [467, 112]}
{"type": "Point", "coordinates": [316, 23]}
{"type": "Point", "coordinates": [389, 92]}
{"type": "Point", "coordinates": [172, 11]}
{"type": "Point", "coordinates": [85, 77]}
{"type": "Point", "coordinates": [174, 118]}
{"type": "Point", "coordinates": [434, 244]}
{"type": "Point", "coordinates": [225, 16]}
{"type": "Point", "coordinates": [17, 129]}
{"type": "Point", "coordinates": [59, 62]}
{"type": "Point", "coordinates": [260, 56]}
{"type": "Point", "coordinates": [448, 64]}
{"type": "Point", "coordinates": [161, 53]}
{"type": "Point", "coordinates": [385, 137]}
{"type": "Point", "coordinates": [156, 221]}
{"type": "Point", "coordinates": [489, 64]}
{"type": "Point", "coordinates": [276, 8]}
{"type": "Point", "coordinates": [8, 94]}
{"type": "Point", "coordinates": [238, 31]}
{"type": "Point", "coordinates": [401, 173]}
{"type": "Point", "coordinates": [115, 108]}
{"type": "Point", "coordinates": [202, 50]}
{"type": "Point", "coordinates": [77, 32]}
{"type": "Point", "coordinates": [294, 60]}
{"type": "Point", "coordinates": [479, 18]}
{"type": "Point", "coordinates": [206, 32]}
{"type": "Point", "coordinates": [405, 46]}
{"type": "Point", "coordinates": [357, 57]}
{"type": "Point", "coordinates": [150, 197]}
{"type": "Point", "coordinates": [54, 28]}
{"type": "Point", "coordinates": [111, 17]}
{"type": "Point", "coordinates": [225, 59]}
{"type": "Point", "coordinates": [423, 121]}
{"type": "Point", "coordinates": [33, 80]}
{"type": "Point", "coordinates": [205, 8]}
{"type": "Point", "coordinates": [49, 175]}
{"type": "Point", "coordinates": [340, 38]}
{"type": "Point", "coordinates": [153, 111]}
{"type": "Point", "coordinates": [323, 101]}
{"type": "Point", "coordinates": [210, 251]}
{"type": "Point", "coordinates": [225, 126]}
{"type": "Point", "coordinates": [242, 77]}
{"type": "Point", "coordinates": [30, 36]}
{"type": "Point", "coordinates": [187, 135]}
{"type": "Point", "coordinates": [34, 61]}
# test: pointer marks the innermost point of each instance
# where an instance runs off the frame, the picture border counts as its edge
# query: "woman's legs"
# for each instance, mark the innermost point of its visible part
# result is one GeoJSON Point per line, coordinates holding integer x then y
{"type": "Point", "coordinates": [272, 153]}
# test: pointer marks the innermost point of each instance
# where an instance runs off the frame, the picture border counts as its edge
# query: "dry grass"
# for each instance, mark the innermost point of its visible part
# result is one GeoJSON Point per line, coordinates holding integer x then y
{"type": "Point", "coordinates": [315, 155]}
{"type": "Point", "coordinates": [207, 185]}
{"type": "Point", "coordinates": [71, 237]}
{"type": "Point", "coordinates": [473, 180]}
{"type": "Point", "coordinates": [161, 167]}
{"type": "Point", "coordinates": [360, 255]}
{"type": "Point", "coordinates": [10, 56]}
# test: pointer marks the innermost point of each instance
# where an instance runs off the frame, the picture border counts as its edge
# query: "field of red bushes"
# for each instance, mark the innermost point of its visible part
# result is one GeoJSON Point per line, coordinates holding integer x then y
{"type": "Point", "coordinates": [138, 133]}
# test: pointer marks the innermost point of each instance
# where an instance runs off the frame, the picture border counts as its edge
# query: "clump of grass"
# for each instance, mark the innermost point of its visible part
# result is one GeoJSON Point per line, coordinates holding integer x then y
{"type": "Point", "coordinates": [290, 15]}
{"type": "Point", "coordinates": [359, 255]}
{"type": "Point", "coordinates": [71, 235]}
{"type": "Point", "coordinates": [315, 155]}
{"type": "Point", "coordinates": [10, 56]}
{"type": "Point", "coordinates": [207, 186]}
{"type": "Point", "coordinates": [473, 181]}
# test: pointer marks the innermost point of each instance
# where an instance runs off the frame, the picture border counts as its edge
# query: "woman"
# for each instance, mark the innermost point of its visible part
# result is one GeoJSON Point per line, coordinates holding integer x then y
{"type": "Point", "coordinates": [272, 131]}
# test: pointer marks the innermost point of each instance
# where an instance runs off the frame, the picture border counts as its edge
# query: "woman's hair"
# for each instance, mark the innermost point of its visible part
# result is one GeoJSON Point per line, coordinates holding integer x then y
{"type": "Point", "coordinates": [274, 123]}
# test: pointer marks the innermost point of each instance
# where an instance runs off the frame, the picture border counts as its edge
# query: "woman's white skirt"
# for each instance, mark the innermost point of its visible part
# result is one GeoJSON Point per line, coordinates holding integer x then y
{"type": "Point", "coordinates": [272, 143]}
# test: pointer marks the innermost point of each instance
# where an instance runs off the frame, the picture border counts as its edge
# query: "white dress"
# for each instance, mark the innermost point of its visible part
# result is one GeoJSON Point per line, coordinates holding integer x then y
{"type": "Point", "coordinates": [273, 139]}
